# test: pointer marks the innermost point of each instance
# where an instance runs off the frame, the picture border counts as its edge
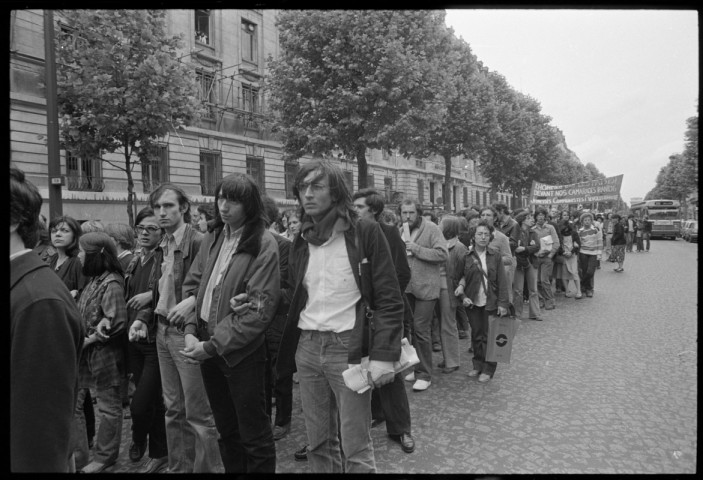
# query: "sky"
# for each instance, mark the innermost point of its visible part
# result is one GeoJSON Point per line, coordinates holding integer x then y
{"type": "Point", "coordinates": [619, 84]}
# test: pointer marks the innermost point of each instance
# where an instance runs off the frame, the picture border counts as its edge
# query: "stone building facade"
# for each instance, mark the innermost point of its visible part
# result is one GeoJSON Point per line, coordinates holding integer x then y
{"type": "Point", "coordinates": [228, 50]}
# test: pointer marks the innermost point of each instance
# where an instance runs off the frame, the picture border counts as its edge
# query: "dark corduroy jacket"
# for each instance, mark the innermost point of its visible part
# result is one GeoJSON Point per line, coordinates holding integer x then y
{"type": "Point", "coordinates": [377, 281]}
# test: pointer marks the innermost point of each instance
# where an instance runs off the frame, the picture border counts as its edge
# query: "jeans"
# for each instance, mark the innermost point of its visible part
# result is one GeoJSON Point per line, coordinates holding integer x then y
{"type": "Point", "coordinates": [238, 404]}
{"type": "Point", "coordinates": [640, 243]}
{"type": "Point", "coordinates": [509, 276]}
{"type": "Point", "coordinates": [330, 407]}
{"type": "Point", "coordinates": [390, 403]}
{"type": "Point", "coordinates": [462, 321]}
{"type": "Point", "coordinates": [190, 427]}
{"type": "Point", "coordinates": [107, 442]}
{"type": "Point", "coordinates": [529, 274]}
{"type": "Point", "coordinates": [448, 333]}
{"type": "Point", "coordinates": [544, 268]}
{"type": "Point", "coordinates": [645, 237]}
{"type": "Point", "coordinates": [587, 270]}
{"type": "Point", "coordinates": [629, 238]}
{"type": "Point", "coordinates": [147, 405]}
{"type": "Point", "coordinates": [422, 323]}
{"type": "Point", "coordinates": [478, 318]}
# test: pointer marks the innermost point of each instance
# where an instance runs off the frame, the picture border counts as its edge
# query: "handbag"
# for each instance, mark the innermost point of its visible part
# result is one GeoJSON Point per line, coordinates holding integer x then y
{"type": "Point", "coordinates": [500, 339]}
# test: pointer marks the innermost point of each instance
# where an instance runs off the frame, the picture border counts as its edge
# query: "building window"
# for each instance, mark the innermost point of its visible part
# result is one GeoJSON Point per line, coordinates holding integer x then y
{"type": "Point", "coordinates": [255, 169]}
{"type": "Point", "coordinates": [349, 176]}
{"type": "Point", "coordinates": [478, 197]}
{"type": "Point", "coordinates": [84, 173]}
{"type": "Point", "coordinates": [249, 43]}
{"type": "Point", "coordinates": [250, 99]}
{"type": "Point", "coordinates": [420, 191]}
{"type": "Point", "coordinates": [466, 197]}
{"type": "Point", "coordinates": [155, 169]}
{"type": "Point", "coordinates": [431, 192]}
{"type": "Point", "coordinates": [420, 164]}
{"type": "Point", "coordinates": [485, 199]}
{"type": "Point", "coordinates": [210, 171]}
{"type": "Point", "coordinates": [370, 181]}
{"type": "Point", "coordinates": [388, 187]}
{"type": "Point", "coordinates": [207, 93]}
{"type": "Point", "coordinates": [290, 171]}
{"type": "Point", "coordinates": [202, 27]}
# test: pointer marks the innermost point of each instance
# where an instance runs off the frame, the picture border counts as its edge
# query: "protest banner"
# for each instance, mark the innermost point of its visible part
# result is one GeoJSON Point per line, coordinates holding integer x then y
{"type": "Point", "coordinates": [601, 190]}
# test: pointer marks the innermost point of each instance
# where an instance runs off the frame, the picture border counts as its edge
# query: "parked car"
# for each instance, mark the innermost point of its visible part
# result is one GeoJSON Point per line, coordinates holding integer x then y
{"type": "Point", "coordinates": [690, 231]}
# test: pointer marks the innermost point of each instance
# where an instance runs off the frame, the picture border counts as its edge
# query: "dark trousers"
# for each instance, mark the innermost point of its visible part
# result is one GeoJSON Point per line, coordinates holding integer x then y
{"type": "Point", "coordinates": [587, 269]}
{"type": "Point", "coordinates": [89, 413]}
{"type": "Point", "coordinates": [237, 399]}
{"type": "Point", "coordinates": [279, 388]}
{"type": "Point", "coordinates": [147, 407]}
{"type": "Point", "coordinates": [478, 319]}
{"type": "Point", "coordinates": [390, 403]}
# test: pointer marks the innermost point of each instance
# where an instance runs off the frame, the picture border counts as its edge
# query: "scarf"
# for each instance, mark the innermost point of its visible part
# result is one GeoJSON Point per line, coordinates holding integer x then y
{"type": "Point", "coordinates": [318, 233]}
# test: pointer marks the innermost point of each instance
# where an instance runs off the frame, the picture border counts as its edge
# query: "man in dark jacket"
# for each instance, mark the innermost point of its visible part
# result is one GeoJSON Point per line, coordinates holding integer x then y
{"type": "Point", "coordinates": [346, 304]}
{"type": "Point", "coordinates": [46, 337]}
{"type": "Point", "coordinates": [390, 402]}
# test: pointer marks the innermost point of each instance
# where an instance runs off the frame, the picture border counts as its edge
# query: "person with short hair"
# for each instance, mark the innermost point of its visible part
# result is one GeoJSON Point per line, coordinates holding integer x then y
{"type": "Point", "coordinates": [340, 271]}
{"type": "Point", "coordinates": [191, 434]}
{"type": "Point", "coordinates": [147, 409]}
{"type": "Point", "coordinates": [483, 291]}
{"type": "Point", "coordinates": [46, 338]}
{"type": "Point", "coordinates": [647, 232]}
{"type": "Point", "coordinates": [629, 232]}
{"type": "Point", "coordinates": [619, 241]}
{"type": "Point", "coordinates": [388, 217]}
{"type": "Point", "coordinates": [123, 236]}
{"type": "Point", "coordinates": [206, 213]}
{"type": "Point", "coordinates": [549, 245]}
{"type": "Point", "coordinates": [238, 256]}
{"type": "Point", "coordinates": [389, 403]}
{"type": "Point", "coordinates": [292, 224]}
{"type": "Point", "coordinates": [591, 241]}
{"type": "Point", "coordinates": [426, 250]}
{"type": "Point", "coordinates": [92, 226]}
{"type": "Point", "coordinates": [104, 312]}
{"type": "Point", "coordinates": [525, 271]}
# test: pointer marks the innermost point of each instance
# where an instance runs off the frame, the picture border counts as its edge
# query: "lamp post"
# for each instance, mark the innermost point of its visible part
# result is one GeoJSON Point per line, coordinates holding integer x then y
{"type": "Point", "coordinates": [52, 115]}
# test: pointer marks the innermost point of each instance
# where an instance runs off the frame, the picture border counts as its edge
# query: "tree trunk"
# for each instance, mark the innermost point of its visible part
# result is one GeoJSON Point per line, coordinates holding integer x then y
{"type": "Point", "coordinates": [447, 190]}
{"type": "Point", "coordinates": [130, 187]}
{"type": "Point", "coordinates": [363, 167]}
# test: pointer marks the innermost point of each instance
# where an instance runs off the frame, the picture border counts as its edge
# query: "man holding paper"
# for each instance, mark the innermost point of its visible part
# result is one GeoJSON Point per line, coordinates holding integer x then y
{"type": "Point", "coordinates": [548, 246]}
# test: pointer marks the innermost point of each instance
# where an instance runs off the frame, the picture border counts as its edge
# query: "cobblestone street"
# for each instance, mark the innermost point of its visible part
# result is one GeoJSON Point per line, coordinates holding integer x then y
{"type": "Point", "coordinates": [603, 385]}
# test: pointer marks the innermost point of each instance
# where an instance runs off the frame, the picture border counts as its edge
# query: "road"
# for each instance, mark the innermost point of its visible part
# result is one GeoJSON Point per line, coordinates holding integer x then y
{"type": "Point", "coordinates": [603, 385]}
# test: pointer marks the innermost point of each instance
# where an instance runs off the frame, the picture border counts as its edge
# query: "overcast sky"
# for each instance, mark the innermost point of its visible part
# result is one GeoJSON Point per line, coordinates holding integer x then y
{"type": "Point", "coordinates": [620, 84]}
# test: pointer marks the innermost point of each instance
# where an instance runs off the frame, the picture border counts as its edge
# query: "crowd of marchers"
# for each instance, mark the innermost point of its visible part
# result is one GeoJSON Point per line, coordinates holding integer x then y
{"type": "Point", "coordinates": [197, 325]}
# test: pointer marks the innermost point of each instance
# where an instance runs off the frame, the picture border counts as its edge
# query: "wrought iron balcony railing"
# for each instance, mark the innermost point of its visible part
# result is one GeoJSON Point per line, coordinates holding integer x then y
{"type": "Point", "coordinates": [85, 183]}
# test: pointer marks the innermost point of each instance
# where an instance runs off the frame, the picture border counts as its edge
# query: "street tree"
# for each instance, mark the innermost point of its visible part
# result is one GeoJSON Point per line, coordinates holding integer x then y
{"type": "Point", "coordinates": [351, 80]}
{"type": "Point", "coordinates": [470, 117]}
{"type": "Point", "coordinates": [121, 86]}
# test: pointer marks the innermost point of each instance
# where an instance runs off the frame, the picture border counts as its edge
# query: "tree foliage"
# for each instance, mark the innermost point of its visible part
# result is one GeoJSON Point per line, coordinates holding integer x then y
{"type": "Point", "coordinates": [350, 80]}
{"type": "Point", "coordinates": [121, 86]}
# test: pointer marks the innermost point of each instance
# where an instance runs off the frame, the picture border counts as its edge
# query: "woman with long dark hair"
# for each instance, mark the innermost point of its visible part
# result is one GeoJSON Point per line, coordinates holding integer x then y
{"type": "Point", "coordinates": [65, 234]}
{"type": "Point", "coordinates": [103, 309]}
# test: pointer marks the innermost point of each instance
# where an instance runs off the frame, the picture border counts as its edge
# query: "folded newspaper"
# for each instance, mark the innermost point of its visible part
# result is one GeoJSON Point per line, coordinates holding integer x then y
{"type": "Point", "coordinates": [356, 377]}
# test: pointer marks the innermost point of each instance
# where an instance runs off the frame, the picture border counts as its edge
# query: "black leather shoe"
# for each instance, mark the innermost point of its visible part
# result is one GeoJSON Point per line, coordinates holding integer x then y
{"type": "Point", "coordinates": [136, 451]}
{"type": "Point", "coordinates": [406, 442]}
{"type": "Point", "coordinates": [302, 454]}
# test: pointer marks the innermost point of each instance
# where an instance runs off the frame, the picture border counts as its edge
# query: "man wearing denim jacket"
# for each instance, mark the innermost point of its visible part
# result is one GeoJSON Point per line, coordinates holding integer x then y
{"type": "Point", "coordinates": [190, 427]}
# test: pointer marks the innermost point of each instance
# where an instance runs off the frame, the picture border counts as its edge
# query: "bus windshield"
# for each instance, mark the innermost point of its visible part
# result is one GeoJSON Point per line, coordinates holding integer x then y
{"type": "Point", "coordinates": [663, 214]}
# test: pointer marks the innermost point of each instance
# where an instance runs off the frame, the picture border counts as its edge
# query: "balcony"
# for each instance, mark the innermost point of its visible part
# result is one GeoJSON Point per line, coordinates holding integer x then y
{"type": "Point", "coordinates": [85, 183]}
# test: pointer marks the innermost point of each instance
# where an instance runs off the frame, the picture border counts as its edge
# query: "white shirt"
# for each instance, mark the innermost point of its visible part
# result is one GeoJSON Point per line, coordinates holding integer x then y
{"type": "Point", "coordinates": [332, 290]}
{"type": "Point", "coordinates": [481, 296]}
{"type": "Point", "coordinates": [229, 246]}
{"type": "Point", "coordinates": [167, 286]}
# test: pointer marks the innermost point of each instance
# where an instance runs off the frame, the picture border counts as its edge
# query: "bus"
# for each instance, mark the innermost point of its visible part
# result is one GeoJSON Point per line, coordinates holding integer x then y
{"type": "Point", "coordinates": [665, 216]}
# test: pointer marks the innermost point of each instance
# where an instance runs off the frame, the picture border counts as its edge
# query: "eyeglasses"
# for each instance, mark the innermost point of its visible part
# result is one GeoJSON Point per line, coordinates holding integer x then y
{"type": "Point", "coordinates": [147, 228]}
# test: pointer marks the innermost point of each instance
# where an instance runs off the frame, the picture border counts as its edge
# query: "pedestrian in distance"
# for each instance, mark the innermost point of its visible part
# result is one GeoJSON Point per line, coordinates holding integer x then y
{"type": "Point", "coordinates": [483, 291]}
{"type": "Point", "coordinates": [206, 213]}
{"type": "Point", "coordinates": [647, 232]}
{"type": "Point", "coordinates": [104, 312]}
{"type": "Point", "coordinates": [549, 245]}
{"type": "Point", "coordinates": [238, 256]}
{"type": "Point", "coordinates": [528, 246]}
{"type": "Point", "coordinates": [341, 272]}
{"type": "Point", "coordinates": [619, 241]}
{"type": "Point", "coordinates": [591, 247]}
{"type": "Point", "coordinates": [147, 408]}
{"type": "Point", "coordinates": [292, 222]}
{"type": "Point", "coordinates": [46, 338]}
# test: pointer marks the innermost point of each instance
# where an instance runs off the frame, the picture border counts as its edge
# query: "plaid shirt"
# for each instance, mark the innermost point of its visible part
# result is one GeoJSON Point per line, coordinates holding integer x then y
{"type": "Point", "coordinates": [101, 362]}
